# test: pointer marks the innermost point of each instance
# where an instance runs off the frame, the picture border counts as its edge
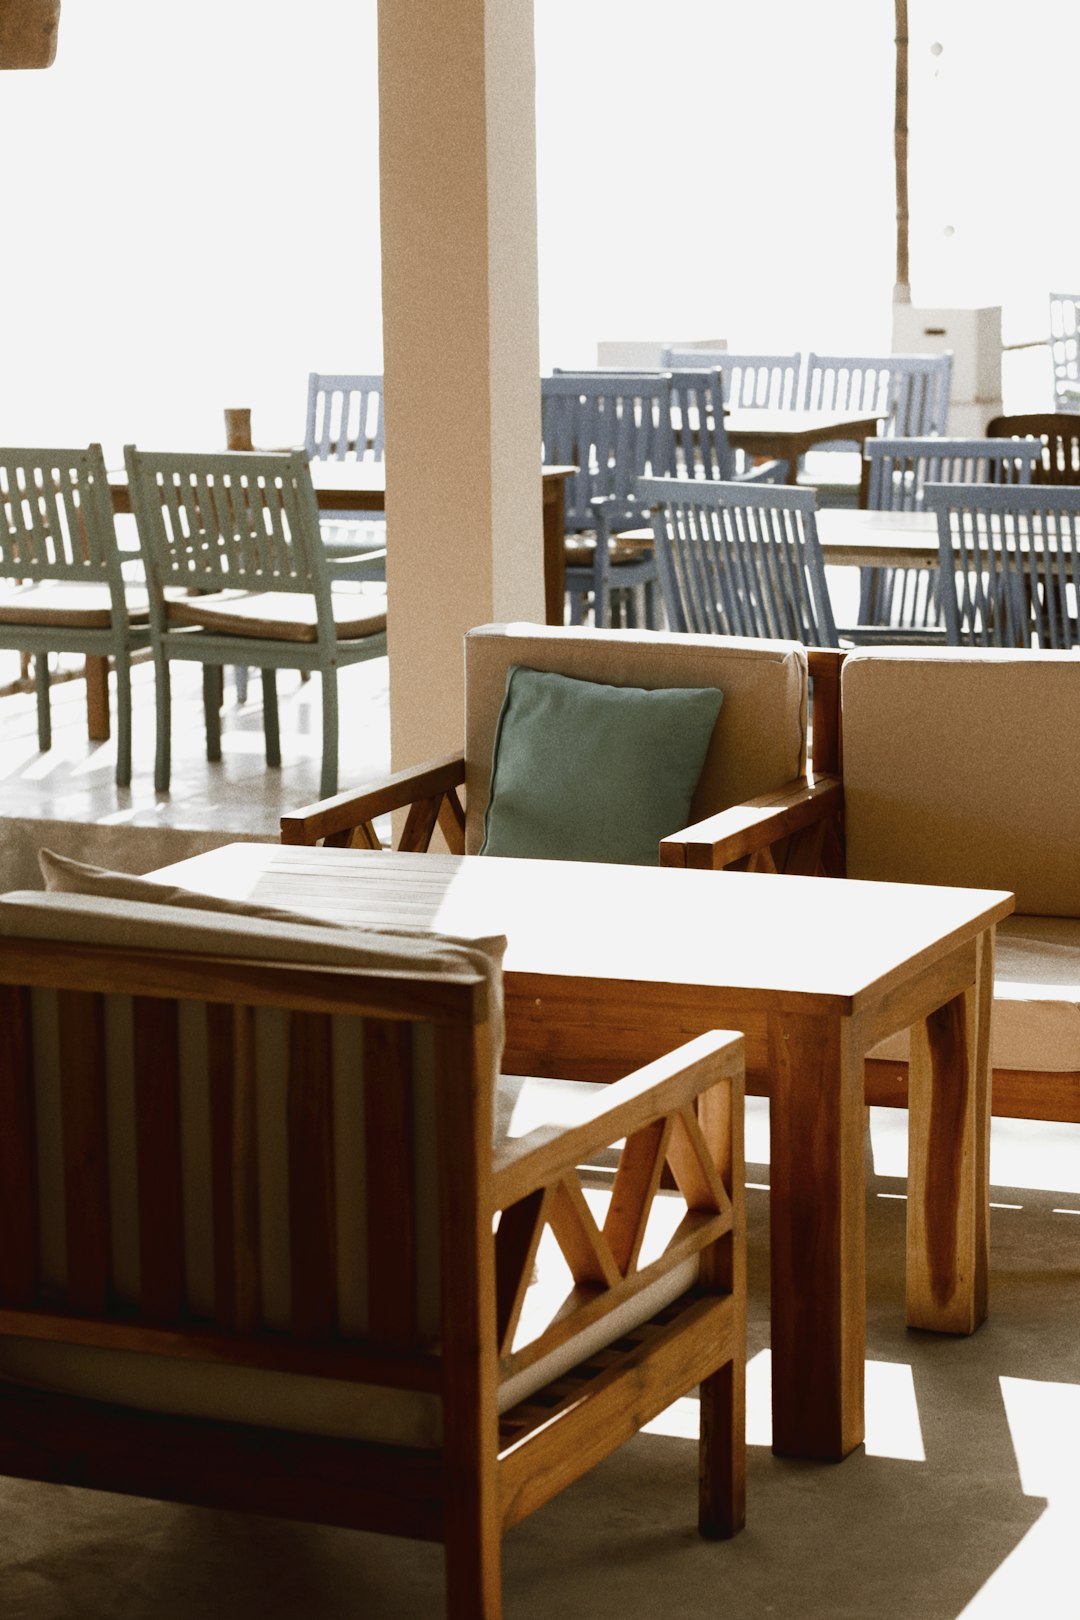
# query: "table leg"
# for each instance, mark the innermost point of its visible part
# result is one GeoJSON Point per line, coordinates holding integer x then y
{"type": "Point", "coordinates": [949, 1158]}
{"type": "Point", "coordinates": [817, 1236]}
{"type": "Point", "coordinates": [554, 519]}
{"type": "Point", "coordinates": [97, 699]}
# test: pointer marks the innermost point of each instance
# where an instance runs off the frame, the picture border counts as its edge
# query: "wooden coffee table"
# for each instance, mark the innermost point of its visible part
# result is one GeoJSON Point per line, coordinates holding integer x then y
{"type": "Point", "coordinates": [608, 966]}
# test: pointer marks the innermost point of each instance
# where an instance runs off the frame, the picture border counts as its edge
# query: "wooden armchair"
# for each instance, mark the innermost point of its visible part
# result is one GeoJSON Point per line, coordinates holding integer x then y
{"type": "Point", "coordinates": [258, 1251]}
{"type": "Point", "coordinates": [758, 748]}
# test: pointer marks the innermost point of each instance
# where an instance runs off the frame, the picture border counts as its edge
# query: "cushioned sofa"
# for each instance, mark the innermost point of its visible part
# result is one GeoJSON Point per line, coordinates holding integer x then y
{"type": "Point", "coordinates": [962, 766]}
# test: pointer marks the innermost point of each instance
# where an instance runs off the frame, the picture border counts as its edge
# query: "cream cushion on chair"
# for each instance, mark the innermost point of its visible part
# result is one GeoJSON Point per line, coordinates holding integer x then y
{"type": "Point", "coordinates": [309, 1405]}
{"type": "Point", "coordinates": [959, 768]}
{"type": "Point", "coordinates": [760, 738]}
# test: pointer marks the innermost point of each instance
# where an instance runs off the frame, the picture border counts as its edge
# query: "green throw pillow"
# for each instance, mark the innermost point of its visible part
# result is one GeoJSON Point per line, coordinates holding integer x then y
{"type": "Point", "coordinates": [587, 772]}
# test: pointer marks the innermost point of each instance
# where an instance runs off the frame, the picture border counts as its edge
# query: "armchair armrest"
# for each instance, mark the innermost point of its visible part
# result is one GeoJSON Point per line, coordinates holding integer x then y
{"type": "Point", "coordinates": [429, 792]}
{"type": "Point", "coordinates": [535, 1184]}
{"type": "Point", "coordinates": [748, 830]}
{"type": "Point", "coordinates": [666, 1086]}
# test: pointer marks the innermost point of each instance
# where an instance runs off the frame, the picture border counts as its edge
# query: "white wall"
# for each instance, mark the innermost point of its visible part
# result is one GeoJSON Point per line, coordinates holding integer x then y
{"type": "Point", "coordinates": [191, 219]}
{"type": "Point", "coordinates": [191, 216]}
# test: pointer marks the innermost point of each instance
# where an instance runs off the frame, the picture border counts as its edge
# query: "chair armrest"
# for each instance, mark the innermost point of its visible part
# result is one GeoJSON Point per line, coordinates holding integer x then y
{"type": "Point", "coordinates": [766, 472]}
{"type": "Point", "coordinates": [749, 829]}
{"type": "Point", "coordinates": [428, 791]}
{"type": "Point", "coordinates": [528, 1163]}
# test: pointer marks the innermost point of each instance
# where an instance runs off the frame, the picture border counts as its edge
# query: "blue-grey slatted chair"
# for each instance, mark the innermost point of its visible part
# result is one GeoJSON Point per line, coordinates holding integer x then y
{"type": "Point", "coordinates": [615, 428]}
{"type": "Point", "coordinates": [345, 423]}
{"type": "Point", "coordinates": [909, 392]}
{"type": "Point", "coordinates": [740, 560]}
{"type": "Point", "coordinates": [1010, 563]}
{"type": "Point", "coordinates": [906, 599]}
{"type": "Point", "coordinates": [702, 447]}
{"type": "Point", "coordinates": [1065, 350]}
{"type": "Point", "coordinates": [240, 533]}
{"type": "Point", "coordinates": [751, 381]}
{"type": "Point", "coordinates": [62, 586]}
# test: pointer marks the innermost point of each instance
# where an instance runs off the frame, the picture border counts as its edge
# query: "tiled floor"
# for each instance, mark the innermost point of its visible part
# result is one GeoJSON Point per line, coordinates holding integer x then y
{"type": "Point", "coordinates": [74, 780]}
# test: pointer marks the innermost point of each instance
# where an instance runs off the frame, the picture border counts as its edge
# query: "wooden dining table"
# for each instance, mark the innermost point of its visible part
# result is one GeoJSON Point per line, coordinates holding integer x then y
{"type": "Point", "coordinates": [608, 967]}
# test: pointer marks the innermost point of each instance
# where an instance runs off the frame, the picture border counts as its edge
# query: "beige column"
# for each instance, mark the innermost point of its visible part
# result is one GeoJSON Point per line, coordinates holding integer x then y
{"type": "Point", "coordinates": [461, 351]}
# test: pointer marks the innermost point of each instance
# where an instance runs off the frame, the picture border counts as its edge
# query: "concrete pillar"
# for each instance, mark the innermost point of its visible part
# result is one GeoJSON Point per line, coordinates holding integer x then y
{"type": "Point", "coordinates": [461, 347]}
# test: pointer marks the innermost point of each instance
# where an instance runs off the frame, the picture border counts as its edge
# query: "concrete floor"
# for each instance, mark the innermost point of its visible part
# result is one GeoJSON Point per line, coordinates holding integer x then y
{"type": "Point", "coordinates": [964, 1502]}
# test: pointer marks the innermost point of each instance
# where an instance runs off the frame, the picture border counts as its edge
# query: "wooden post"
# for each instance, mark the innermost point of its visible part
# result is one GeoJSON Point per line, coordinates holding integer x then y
{"type": "Point", "coordinates": [902, 289]}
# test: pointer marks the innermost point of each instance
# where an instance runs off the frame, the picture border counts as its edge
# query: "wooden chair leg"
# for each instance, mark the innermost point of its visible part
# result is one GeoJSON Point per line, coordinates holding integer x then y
{"type": "Point", "coordinates": [123, 719]}
{"type": "Point", "coordinates": [329, 779]}
{"type": "Point", "coordinates": [722, 1454]}
{"type": "Point", "coordinates": [162, 696]}
{"type": "Point", "coordinates": [97, 699]}
{"type": "Point", "coordinates": [473, 1569]}
{"type": "Point", "coordinates": [213, 678]}
{"type": "Point", "coordinates": [271, 723]}
{"type": "Point", "coordinates": [44, 715]}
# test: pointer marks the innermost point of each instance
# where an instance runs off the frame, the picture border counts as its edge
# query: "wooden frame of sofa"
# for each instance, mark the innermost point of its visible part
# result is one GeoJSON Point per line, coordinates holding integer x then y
{"type": "Point", "coordinates": [683, 1111]}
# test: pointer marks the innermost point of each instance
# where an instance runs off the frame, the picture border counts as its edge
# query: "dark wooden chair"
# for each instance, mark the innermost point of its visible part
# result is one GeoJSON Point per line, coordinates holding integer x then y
{"type": "Point", "coordinates": [310, 1301]}
{"type": "Point", "coordinates": [1060, 435]}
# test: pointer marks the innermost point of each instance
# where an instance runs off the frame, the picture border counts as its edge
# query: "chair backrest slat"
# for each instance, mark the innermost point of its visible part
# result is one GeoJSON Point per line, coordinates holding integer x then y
{"type": "Point", "coordinates": [82, 1061]}
{"type": "Point", "coordinates": [20, 1250]}
{"type": "Point", "coordinates": [156, 1053]}
{"type": "Point", "coordinates": [740, 560]}
{"type": "Point", "coordinates": [234, 1167]}
{"type": "Point", "coordinates": [312, 1193]}
{"type": "Point", "coordinates": [389, 1121]}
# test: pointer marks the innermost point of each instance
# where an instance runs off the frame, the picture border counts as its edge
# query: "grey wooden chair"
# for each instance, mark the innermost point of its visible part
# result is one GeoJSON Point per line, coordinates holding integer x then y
{"type": "Point", "coordinates": [1010, 564]}
{"type": "Point", "coordinates": [740, 560]}
{"type": "Point", "coordinates": [62, 586]}
{"type": "Point", "coordinates": [345, 422]}
{"type": "Point", "coordinates": [908, 392]}
{"type": "Point", "coordinates": [702, 446]}
{"type": "Point", "coordinates": [615, 428]}
{"type": "Point", "coordinates": [237, 574]}
{"type": "Point", "coordinates": [907, 599]}
{"type": "Point", "coordinates": [1065, 350]}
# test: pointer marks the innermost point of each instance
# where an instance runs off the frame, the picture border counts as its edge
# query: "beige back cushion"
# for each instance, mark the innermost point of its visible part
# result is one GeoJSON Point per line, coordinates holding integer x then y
{"type": "Point", "coordinates": [760, 738]}
{"type": "Point", "coordinates": [962, 767]}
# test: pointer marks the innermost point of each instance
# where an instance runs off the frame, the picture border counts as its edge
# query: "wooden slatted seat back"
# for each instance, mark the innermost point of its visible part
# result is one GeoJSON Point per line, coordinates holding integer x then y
{"type": "Point", "coordinates": [236, 520]}
{"type": "Point", "coordinates": [614, 429]}
{"type": "Point", "coordinates": [56, 519]}
{"type": "Point", "coordinates": [344, 417]}
{"type": "Point", "coordinates": [758, 746]}
{"type": "Point", "coordinates": [225, 1142]}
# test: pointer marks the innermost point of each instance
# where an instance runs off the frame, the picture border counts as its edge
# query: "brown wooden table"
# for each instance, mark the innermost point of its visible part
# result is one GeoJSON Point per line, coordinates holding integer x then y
{"type": "Point", "coordinates": [609, 966]}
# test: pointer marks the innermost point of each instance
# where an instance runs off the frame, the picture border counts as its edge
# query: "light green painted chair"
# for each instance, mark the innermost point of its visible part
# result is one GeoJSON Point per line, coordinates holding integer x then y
{"type": "Point", "coordinates": [62, 587]}
{"type": "Point", "coordinates": [237, 574]}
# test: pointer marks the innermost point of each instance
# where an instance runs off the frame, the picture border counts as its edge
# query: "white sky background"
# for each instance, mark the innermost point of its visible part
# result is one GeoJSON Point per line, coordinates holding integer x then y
{"type": "Point", "coordinates": [191, 193]}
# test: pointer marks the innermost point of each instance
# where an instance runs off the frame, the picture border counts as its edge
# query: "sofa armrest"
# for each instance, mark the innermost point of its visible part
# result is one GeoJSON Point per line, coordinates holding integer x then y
{"type": "Point", "coordinates": [751, 829]}
{"type": "Point", "coordinates": [429, 792]}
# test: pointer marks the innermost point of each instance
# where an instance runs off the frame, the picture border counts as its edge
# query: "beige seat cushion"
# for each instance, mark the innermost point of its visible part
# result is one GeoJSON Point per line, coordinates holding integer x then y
{"type": "Point", "coordinates": [760, 739]}
{"type": "Point", "coordinates": [77, 607]}
{"type": "Point", "coordinates": [960, 768]}
{"type": "Point", "coordinates": [1036, 1018]}
{"type": "Point", "coordinates": [275, 615]}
